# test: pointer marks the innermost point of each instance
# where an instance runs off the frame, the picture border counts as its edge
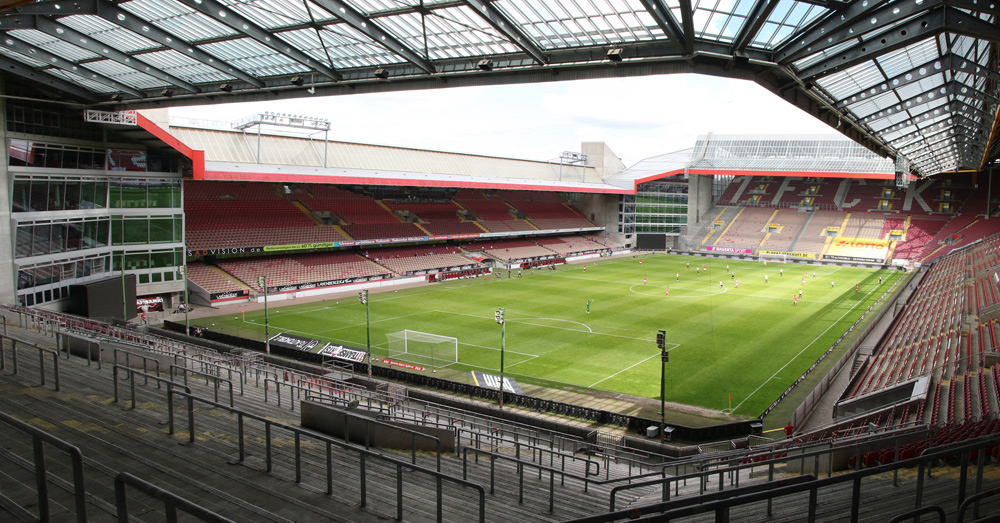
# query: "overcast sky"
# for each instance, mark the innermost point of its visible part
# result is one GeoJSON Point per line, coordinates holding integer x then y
{"type": "Point", "coordinates": [636, 117]}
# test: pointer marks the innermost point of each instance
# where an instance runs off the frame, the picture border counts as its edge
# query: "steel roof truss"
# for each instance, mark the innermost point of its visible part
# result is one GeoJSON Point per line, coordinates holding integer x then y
{"type": "Point", "coordinates": [27, 49]}
{"type": "Point", "coordinates": [917, 29]}
{"type": "Point", "coordinates": [242, 25]}
{"type": "Point", "coordinates": [74, 37]}
{"type": "Point", "coordinates": [124, 19]}
{"type": "Point", "coordinates": [836, 30]}
{"type": "Point", "coordinates": [660, 12]}
{"type": "Point", "coordinates": [962, 23]}
{"type": "Point", "coordinates": [509, 29]}
{"type": "Point", "coordinates": [366, 26]}
{"type": "Point", "coordinates": [28, 73]}
{"type": "Point", "coordinates": [758, 16]}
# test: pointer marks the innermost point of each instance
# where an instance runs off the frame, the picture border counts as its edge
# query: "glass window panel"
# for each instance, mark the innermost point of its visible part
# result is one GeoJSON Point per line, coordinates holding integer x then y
{"type": "Point", "coordinates": [56, 202]}
{"type": "Point", "coordinates": [72, 198]}
{"type": "Point", "coordinates": [136, 261]}
{"type": "Point", "coordinates": [126, 160]}
{"type": "Point", "coordinates": [40, 240]}
{"type": "Point", "coordinates": [115, 194]}
{"type": "Point", "coordinates": [136, 231]}
{"type": "Point", "coordinates": [19, 153]}
{"type": "Point", "coordinates": [161, 230]}
{"type": "Point", "coordinates": [57, 241]}
{"type": "Point", "coordinates": [24, 241]}
{"type": "Point", "coordinates": [39, 193]}
{"type": "Point", "coordinates": [160, 259]}
{"type": "Point", "coordinates": [133, 194]}
{"type": "Point", "coordinates": [21, 199]}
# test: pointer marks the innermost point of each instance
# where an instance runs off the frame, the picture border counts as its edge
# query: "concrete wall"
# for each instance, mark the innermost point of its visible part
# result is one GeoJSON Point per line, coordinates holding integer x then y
{"type": "Point", "coordinates": [7, 294]}
{"type": "Point", "coordinates": [360, 427]}
{"type": "Point", "coordinates": [700, 202]}
{"type": "Point", "coordinates": [602, 158]}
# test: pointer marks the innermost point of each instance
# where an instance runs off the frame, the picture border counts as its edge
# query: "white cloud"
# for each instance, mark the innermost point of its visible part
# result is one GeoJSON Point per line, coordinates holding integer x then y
{"type": "Point", "coordinates": [636, 117]}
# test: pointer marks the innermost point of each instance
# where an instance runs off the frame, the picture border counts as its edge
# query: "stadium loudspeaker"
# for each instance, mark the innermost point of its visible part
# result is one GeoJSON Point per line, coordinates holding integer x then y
{"type": "Point", "coordinates": [661, 339]}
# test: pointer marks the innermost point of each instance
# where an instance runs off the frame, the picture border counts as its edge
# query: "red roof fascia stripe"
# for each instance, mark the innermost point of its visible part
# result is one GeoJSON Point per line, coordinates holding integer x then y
{"type": "Point", "coordinates": [197, 157]}
{"type": "Point", "coordinates": [224, 176]}
{"type": "Point", "coordinates": [798, 174]}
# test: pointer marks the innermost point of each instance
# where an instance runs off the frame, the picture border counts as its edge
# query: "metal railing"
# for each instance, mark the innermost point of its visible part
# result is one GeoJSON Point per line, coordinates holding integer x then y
{"type": "Point", "coordinates": [38, 439]}
{"type": "Point", "coordinates": [216, 380]}
{"type": "Point", "coordinates": [171, 502]}
{"type": "Point", "coordinates": [329, 442]}
{"type": "Point", "coordinates": [14, 343]}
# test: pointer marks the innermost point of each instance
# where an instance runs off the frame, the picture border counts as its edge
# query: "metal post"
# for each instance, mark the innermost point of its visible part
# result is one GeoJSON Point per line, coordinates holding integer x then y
{"type": "Point", "coordinates": [363, 296]}
{"type": "Point", "coordinates": [187, 304]}
{"type": "Point", "coordinates": [124, 294]}
{"type": "Point", "coordinates": [262, 280]}
{"type": "Point", "coordinates": [503, 334]}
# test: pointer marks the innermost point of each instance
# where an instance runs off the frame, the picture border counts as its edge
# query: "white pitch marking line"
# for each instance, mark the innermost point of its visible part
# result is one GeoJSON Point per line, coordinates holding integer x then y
{"type": "Point", "coordinates": [789, 362]}
{"type": "Point", "coordinates": [629, 367]}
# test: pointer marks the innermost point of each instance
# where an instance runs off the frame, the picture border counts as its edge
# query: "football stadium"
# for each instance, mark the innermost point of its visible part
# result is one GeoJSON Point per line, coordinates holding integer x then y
{"type": "Point", "coordinates": [247, 320]}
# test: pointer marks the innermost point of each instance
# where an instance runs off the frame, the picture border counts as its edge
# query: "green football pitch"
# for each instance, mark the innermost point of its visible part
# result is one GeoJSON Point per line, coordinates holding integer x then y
{"type": "Point", "coordinates": [727, 335]}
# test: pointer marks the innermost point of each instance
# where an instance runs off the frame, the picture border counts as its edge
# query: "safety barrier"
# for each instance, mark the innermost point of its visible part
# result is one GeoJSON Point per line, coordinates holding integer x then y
{"type": "Point", "coordinates": [14, 343]}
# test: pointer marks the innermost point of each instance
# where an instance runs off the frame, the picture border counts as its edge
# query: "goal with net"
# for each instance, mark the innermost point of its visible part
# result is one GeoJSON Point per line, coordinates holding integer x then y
{"type": "Point", "coordinates": [424, 348]}
{"type": "Point", "coordinates": [772, 257]}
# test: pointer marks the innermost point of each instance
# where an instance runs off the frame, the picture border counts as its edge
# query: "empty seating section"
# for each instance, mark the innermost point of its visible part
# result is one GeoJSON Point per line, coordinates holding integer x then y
{"type": "Point", "coordinates": [864, 225]}
{"type": "Point", "coordinates": [405, 260]}
{"type": "Point", "coordinates": [865, 195]}
{"type": "Point", "coordinates": [919, 233]}
{"type": "Point", "coordinates": [789, 222]}
{"type": "Point", "coordinates": [351, 207]}
{"type": "Point", "coordinates": [485, 207]}
{"type": "Point", "coordinates": [509, 249]}
{"type": "Point", "coordinates": [567, 245]}
{"type": "Point", "coordinates": [427, 211]}
{"type": "Point", "coordinates": [537, 204]}
{"type": "Point", "coordinates": [254, 237]}
{"type": "Point", "coordinates": [383, 231]}
{"type": "Point", "coordinates": [239, 205]}
{"type": "Point", "coordinates": [443, 228]}
{"type": "Point", "coordinates": [506, 225]}
{"type": "Point", "coordinates": [211, 279]}
{"type": "Point", "coordinates": [306, 268]}
{"type": "Point", "coordinates": [939, 245]}
{"type": "Point", "coordinates": [927, 340]}
{"type": "Point", "coordinates": [814, 236]}
{"type": "Point", "coordinates": [748, 229]}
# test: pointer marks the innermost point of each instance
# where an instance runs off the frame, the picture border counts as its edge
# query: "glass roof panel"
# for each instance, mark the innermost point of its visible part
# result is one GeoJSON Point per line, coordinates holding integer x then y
{"type": "Point", "coordinates": [178, 19]}
{"type": "Point", "coordinates": [125, 74]}
{"type": "Point", "coordinates": [82, 81]}
{"type": "Point", "coordinates": [723, 18]}
{"type": "Point", "coordinates": [786, 19]}
{"type": "Point", "coordinates": [477, 30]}
{"type": "Point", "coordinates": [108, 33]}
{"type": "Point", "coordinates": [254, 58]}
{"type": "Point", "coordinates": [345, 46]}
{"type": "Point", "coordinates": [184, 67]}
{"type": "Point", "coordinates": [53, 45]}
{"type": "Point", "coordinates": [18, 57]}
{"type": "Point", "coordinates": [373, 6]}
{"type": "Point", "coordinates": [274, 14]}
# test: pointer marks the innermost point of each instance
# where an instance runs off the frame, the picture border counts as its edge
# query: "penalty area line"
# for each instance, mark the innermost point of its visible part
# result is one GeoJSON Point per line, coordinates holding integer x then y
{"type": "Point", "coordinates": [629, 367]}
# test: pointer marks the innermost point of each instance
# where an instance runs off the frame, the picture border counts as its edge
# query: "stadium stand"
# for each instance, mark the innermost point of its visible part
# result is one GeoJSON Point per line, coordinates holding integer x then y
{"type": "Point", "coordinates": [212, 279]}
{"type": "Point", "coordinates": [407, 260]}
{"type": "Point", "coordinates": [789, 225]}
{"type": "Point", "coordinates": [504, 250]}
{"type": "Point", "coordinates": [306, 268]}
{"type": "Point", "coordinates": [747, 229]}
{"type": "Point", "coordinates": [567, 245]}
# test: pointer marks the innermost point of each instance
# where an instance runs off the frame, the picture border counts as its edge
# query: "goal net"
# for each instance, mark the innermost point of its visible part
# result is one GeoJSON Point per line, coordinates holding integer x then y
{"type": "Point", "coordinates": [424, 348]}
{"type": "Point", "coordinates": [773, 258]}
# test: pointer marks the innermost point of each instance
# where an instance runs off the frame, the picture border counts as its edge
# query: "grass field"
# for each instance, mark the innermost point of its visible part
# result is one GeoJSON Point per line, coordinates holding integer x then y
{"type": "Point", "coordinates": [749, 341]}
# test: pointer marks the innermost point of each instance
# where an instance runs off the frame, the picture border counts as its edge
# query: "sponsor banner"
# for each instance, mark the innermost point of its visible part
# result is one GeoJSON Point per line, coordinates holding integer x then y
{"type": "Point", "coordinates": [864, 248]}
{"type": "Point", "coordinates": [861, 259]}
{"type": "Point", "coordinates": [403, 364]}
{"type": "Point", "coordinates": [229, 295]}
{"type": "Point", "coordinates": [342, 353]}
{"type": "Point", "coordinates": [293, 342]}
{"type": "Point", "coordinates": [491, 381]}
{"type": "Point", "coordinates": [832, 229]}
{"type": "Point", "coordinates": [327, 283]}
{"type": "Point", "coordinates": [149, 303]}
{"type": "Point", "coordinates": [736, 250]}
{"type": "Point", "coordinates": [231, 250]}
{"type": "Point", "coordinates": [789, 254]}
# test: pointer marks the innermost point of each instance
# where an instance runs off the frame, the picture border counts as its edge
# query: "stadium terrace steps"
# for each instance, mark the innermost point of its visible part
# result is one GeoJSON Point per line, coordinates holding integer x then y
{"type": "Point", "coordinates": [115, 440]}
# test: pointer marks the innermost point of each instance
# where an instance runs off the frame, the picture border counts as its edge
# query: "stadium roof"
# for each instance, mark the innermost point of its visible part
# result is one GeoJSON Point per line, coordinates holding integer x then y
{"type": "Point", "coordinates": [230, 155]}
{"type": "Point", "coordinates": [825, 156]}
{"type": "Point", "coordinates": [914, 79]}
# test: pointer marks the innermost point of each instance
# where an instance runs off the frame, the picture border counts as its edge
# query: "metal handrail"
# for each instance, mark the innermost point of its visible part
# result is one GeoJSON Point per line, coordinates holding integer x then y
{"type": "Point", "coordinates": [38, 437]}
{"type": "Point", "coordinates": [41, 358]}
{"type": "Point", "coordinates": [208, 376]}
{"type": "Point", "coordinates": [171, 501]}
{"type": "Point", "coordinates": [329, 441]}
{"type": "Point", "coordinates": [721, 507]}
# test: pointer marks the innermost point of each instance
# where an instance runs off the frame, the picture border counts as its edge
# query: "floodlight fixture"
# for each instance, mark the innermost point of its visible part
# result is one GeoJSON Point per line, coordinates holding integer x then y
{"type": "Point", "coordinates": [615, 54]}
{"type": "Point", "coordinates": [168, 92]}
{"type": "Point", "coordinates": [297, 81]}
{"type": "Point", "coordinates": [226, 87]}
{"type": "Point", "coordinates": [485, 64]}
{"type": "Point", "coordinates": [381, 73]}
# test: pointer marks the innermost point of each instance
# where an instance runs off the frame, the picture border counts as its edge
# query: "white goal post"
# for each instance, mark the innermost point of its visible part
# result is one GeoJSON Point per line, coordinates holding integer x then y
{"type": "Point", "coordinates": [432, 350]}
{"type": "Point", "coordinates": [772, 257]}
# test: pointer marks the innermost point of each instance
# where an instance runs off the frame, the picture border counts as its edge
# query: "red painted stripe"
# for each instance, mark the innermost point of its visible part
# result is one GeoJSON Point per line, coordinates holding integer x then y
{"type": "Point", "coordinates": [197, 157]}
